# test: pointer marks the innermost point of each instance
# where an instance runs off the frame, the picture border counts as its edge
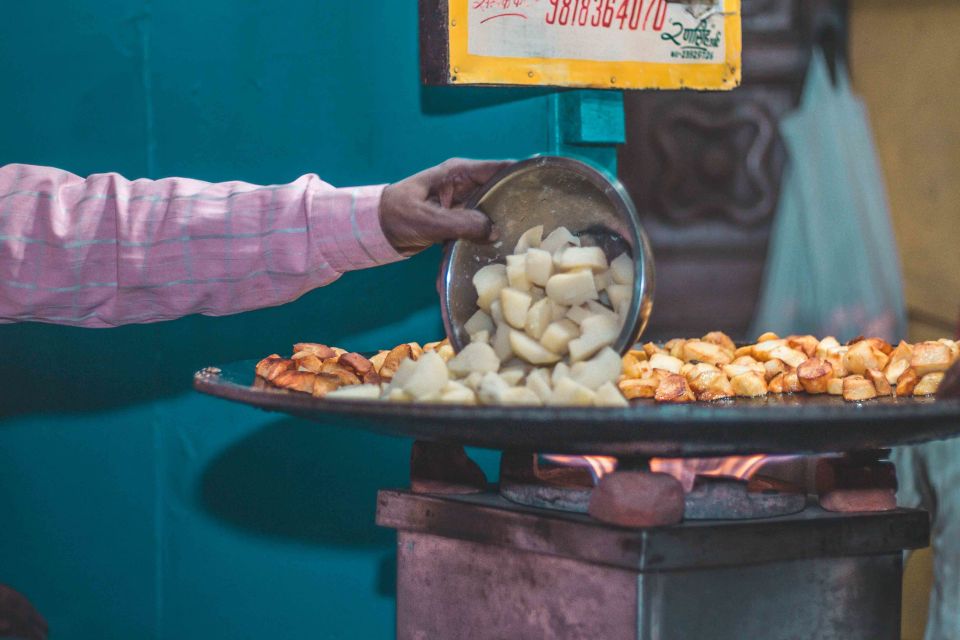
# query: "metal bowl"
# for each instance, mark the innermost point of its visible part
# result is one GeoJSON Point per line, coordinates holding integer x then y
{"type": "Point", "coordinates": [552, 191]}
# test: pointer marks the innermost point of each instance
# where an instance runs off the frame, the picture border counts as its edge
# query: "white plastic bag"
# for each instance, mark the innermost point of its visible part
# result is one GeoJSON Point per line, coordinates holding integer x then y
{"type": "Point", "coordinates": [833, 266]}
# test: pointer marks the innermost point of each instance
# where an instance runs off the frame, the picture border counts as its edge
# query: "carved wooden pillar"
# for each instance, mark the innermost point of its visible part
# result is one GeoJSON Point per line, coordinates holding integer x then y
{"type": "Point", "coordinates": [704, 170]}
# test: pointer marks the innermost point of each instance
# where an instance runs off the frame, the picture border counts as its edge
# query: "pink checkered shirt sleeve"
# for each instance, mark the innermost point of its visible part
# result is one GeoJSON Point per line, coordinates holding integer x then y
{"type": "Point", "coordinates": [105, 251]}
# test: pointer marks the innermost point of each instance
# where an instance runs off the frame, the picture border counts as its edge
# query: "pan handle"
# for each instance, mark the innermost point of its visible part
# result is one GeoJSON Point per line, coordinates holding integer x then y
{"type": "Point", "coordinates": [950, 385]}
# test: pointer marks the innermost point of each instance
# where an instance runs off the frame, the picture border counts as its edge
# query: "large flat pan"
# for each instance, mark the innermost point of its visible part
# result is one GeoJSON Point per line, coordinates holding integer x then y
{"type": "Point", "coordinates": [778, 424]}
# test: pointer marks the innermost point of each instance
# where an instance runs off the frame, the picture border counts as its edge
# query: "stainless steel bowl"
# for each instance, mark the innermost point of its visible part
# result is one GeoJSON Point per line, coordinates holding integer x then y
{"type": "Point", "coordinates": [552, 191]}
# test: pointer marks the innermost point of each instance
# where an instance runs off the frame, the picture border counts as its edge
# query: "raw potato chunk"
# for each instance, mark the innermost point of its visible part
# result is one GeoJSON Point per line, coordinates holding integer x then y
{"type": "Point", "coordinates": [428, 378]}
{"type": "Point", "coordinates": [501, 342]}
{"type": "Point", "coordinates": [491, 387]}
{"type": "Point", "coordinates": [579, 314]}
{"type": "Point", "coordinates": [558, 239]}
{"type": "Point", "coordinates": [620, 296]}
{"type": "Point", "coordinates": [603, 368]}
{"type": "Point", "coordinates": [558, 311]}
{"type": "Point", "coordinates": [539, 266]}
{"type": "Point", "coordinates": [609, 396]}
{"type": "Point", "coordinates": [572, 289]}
{"type": "Point", "coordinates": [514, 305]}
{"type": "Point", "coordinates": [574, 258]}
{"type": "Point", "coordinates": [356, 392]}
{"type": "Point", "coordinates": [558, 335]}
{"type": "Point", "coordinates": [602, 280]}
{"type": "Point", "coordinates": [478, 322]}
{"type": "Point", "coordinates": [530, 350]}
{"type": "Point", "coordinates": [517, 273]}
{"type": "Point", "coordinates": [538, 381]}
{"type": "Point", "coordinates": [566, 392]}
{"type": "Point", "coordinates": [531, 238]}
{"type": "Point", "coordinates": [596, 332]}
{"type": "Point", "coordinates": [538, 319]}
{"type": "Point", "coordinates": [459, 395]}
{"type": "Point", "coordinates": [489, 281]}
{"type": "Point", "coordinates": [621, 269]}
{"type": "Point", "coordinates": [519, 396]}
{"type": "Point", "coordinates": [475, 357]}
{"type": "Point", "coordinates": [513, 375]}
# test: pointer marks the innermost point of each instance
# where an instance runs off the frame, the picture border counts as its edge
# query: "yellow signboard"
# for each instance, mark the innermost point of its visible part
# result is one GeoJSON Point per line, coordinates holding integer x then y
{"type": "Point", "coordinates": [613, 44]}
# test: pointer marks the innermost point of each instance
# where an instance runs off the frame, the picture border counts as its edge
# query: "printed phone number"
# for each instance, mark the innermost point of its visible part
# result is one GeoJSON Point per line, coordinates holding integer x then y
{"type": "Point", "coordinates": [608, 14]}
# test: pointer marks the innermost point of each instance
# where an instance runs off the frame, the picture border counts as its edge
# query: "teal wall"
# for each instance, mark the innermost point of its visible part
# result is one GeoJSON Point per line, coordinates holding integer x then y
{"type": "Point", "coordinates": [131, 507]}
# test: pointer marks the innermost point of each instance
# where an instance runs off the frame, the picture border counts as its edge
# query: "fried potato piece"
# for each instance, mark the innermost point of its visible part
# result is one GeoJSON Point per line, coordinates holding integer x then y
{"type": "Point", "coordinates": [273, 365]}
{"type": "Point", "coordinates": [342, 373]}
{"type": "Point", "coordinates": [651, 349]}
{"type": "Point", "coordinates": [359, 364]}
{"type": "Point", "coordinates": [827, 345]}
{"type": "Point", "coordinates": [744, 351]}
{"type": "Point", "coordinates": [642, 388]}
{"type": "Point", "coordinates": [674, 388]}
{"type": "Point", "coordinates": [769, 335]}
{"type": "Point", "coordinates": [377, 360]}
{"type": "Point", "coordinates": [930, 357]}
{"type": "Point", "coordinates": [880, 382]}
{"type": "Point", "coordinates": [856, 388]}
{"type": "Point", "coordinates": [835, 386]}
{"type": "Point", "coordinates": [749, 385]}
{"type": "Point", "coordinates": [761, 350]}
{"type": "Point", "coordinates": [706, 352]}
{"type": "Point", "coordinates": [666, 362]}
{"type": "Point", "coordinates": [814, 374]}
{"type": "Point", "coordinates": [302, 381]}
{"type": "Point", "coordinates": [862, 355]}
{"type": "Point", "coordinates": [323, 384]}
{"type": "Point", "coordinates": [791, 357]}
{"type": "Point", "coordinates": [308, 362]}
{"type": "Point", "coordinates": [775, 384]}
{"type": "Point", "coordinates": [773, 368]}
{"type": "Point", "coordinates": [632, 367]}
{"type": "Point", "coordinates": [928, 384]}
{"type": "Point", "coordinates": [807, 344]}
{"type": "Point", "coordinates": [877, 343]}
{"type": "Point", "coordinates": [907, 382]}
{"type": "Point", "coordinates": [322, 351]}
{"type": "Point", "coordinates": [675, 347]}
{"type": "Point", "coordinates": [392, 360]}
{"type": "Point", "coordinates": [722, 340]}
{"type": "Point", "coordinates": [711, 385]}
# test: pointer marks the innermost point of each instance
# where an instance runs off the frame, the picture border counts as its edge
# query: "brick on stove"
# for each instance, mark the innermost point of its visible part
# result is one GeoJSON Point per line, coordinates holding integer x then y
{"type": "Point", "coordinates": [638, 499]}
{"type": "Point", "coordinates": [846, 485]}
{"type": "Point", "coordinates": [444, 468]}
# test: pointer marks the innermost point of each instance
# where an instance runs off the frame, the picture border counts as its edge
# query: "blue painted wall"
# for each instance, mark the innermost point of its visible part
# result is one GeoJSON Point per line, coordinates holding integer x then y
{"type": "Point", "coordinates": [131, 507]}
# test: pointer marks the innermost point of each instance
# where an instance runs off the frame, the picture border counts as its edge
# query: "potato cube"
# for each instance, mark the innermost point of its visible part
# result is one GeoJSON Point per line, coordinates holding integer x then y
{"type": "Point", "coordinates": [863, 355]}
{"type": "Point", "coordinates": [539, 382]}
{"type": "Point", "coordinates": [826, 345]}
{"type": "Point", "coordinates": [773, 368]}
{"type": "Point", "coordinates": [775, 384]}
{"type": "Point", "coordinates": [573, 258]}
{"type": "Point", "coordinates": [856, 388]}
{"type": "Point", "coordinates": [603, 367]}
{"type": "Point", "coordinates": [609, 396]}
{"type": "Point", "coordinates": [631, 366]}
{"type": "Point", "coordinates": [579, 314]}
{"type": "Point", "coordinates": [539, 266]}
{"type": "Point", "coordinates": [749, 385]}
{"type": "Point", "coordinates": [476, 356]}
{"type": "Point", "coordinates": [488, 282]}
{"type": "Point", "coordinates": [928, 384]}
{"type": "Point", "coordinates": [790, 357]}
{"type": "Point", "coordinates": [519, 396]}
{"type": "Point", "coordinates": [706, 352]}
{"type": "Point", "coordinates": [814, 374]}
{"type": "Point", "coordinates": [597, 309]}
{"type": "Point", "coordinates": [675, 347]}
{"type": "Point", "coordinates": [596, 332]}
{"type": "Point", "coordinates": [531, 238]}
{"type": "Point", "coordinates": [517, 273]}
{"type": "Point", "coordinates": [530, 350]}
{"type": "Point", "coordinates": [496, 312]}
{"type": "Point", "coordinates": [666, 362]}
{"type": "Point", "coordinates": [721, 339]}
{"type": "Point", "coordinates": [515, 305]}
{"type": "Point", "coordinates": [761, 350]}
{"type": "Point", "coordinates": [765, 337]}
{"type": "Point", "coordinates": [558, 239]}
{"type": "Point", "coordinates": [572, 288]}
{"type": "Point", "coordinates": [835, 386]}
{"type": "Point", "coordinates": [480, 336]}
{"type": "Point", "coordinates": [356, 392]}
{"type": "Point", "coordinates": [491, 387]}
{"type": "Point", "coordinates": [602, 280]}
{"type": "Point", "coordinates": [558, 311]}
{"type": "Point", "coordinates": [566, 392]}
{"type": "Point", "coordinates": [930, 357]}
{"type": "Point", "coordinates": [895, 369]}
{"type": "Point", "coordinates": [622, 269]}
{"type": "Point", "coordinates": [560, 370]}
{"type": "Point", "coordinates": [428, 378]}
{"type": "Point", "coordinates": [674, 388]}
{"type": "Point", "coordinates": [880, 382]}
{"type": "Point", "coordinates": [461, 395]}
{"type": "Point", "coordinates": [711, 385]}
{"type": "Point", "coordinates": [620, 296]}
{"type": "Point", "coordinates": [501, 342]}
{"type": "Point", "coordinates": [538, 319]}
{"type": "Point", "coordinates": [633, 389]}
{"type": "Point", "coordinates": [651, 348]}
{"type": "Point", "coordinates": [907, 382]}
{"type": "Point", "coordinates": [806, 344]}
{"type": "Point", "coordinates": [478, 322]}
{"type": "Point", "coordinates": [557, 336]}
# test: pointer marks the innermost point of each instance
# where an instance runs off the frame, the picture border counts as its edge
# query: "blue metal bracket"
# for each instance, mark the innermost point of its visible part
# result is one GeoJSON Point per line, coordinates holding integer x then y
{"type": "Point", "coordinates": [588, 124]}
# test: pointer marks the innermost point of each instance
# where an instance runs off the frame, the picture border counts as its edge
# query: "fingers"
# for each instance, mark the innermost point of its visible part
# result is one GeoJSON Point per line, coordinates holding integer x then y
{"type": "Point", "coordinates": [452, 224]}
{"type": "Point", "coordinates": [454, 180]}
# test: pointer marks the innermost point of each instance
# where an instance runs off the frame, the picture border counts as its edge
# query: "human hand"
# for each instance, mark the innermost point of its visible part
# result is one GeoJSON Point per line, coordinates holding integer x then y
{"type": "Point", "coordinates": [428, 207]}
{"type": "Point", "coordinates": [18, 618]}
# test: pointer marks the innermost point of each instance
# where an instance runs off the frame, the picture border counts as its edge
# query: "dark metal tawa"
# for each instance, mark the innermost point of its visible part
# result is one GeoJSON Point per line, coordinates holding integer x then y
{"type": "Point", "coordinates": [797, 424]}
